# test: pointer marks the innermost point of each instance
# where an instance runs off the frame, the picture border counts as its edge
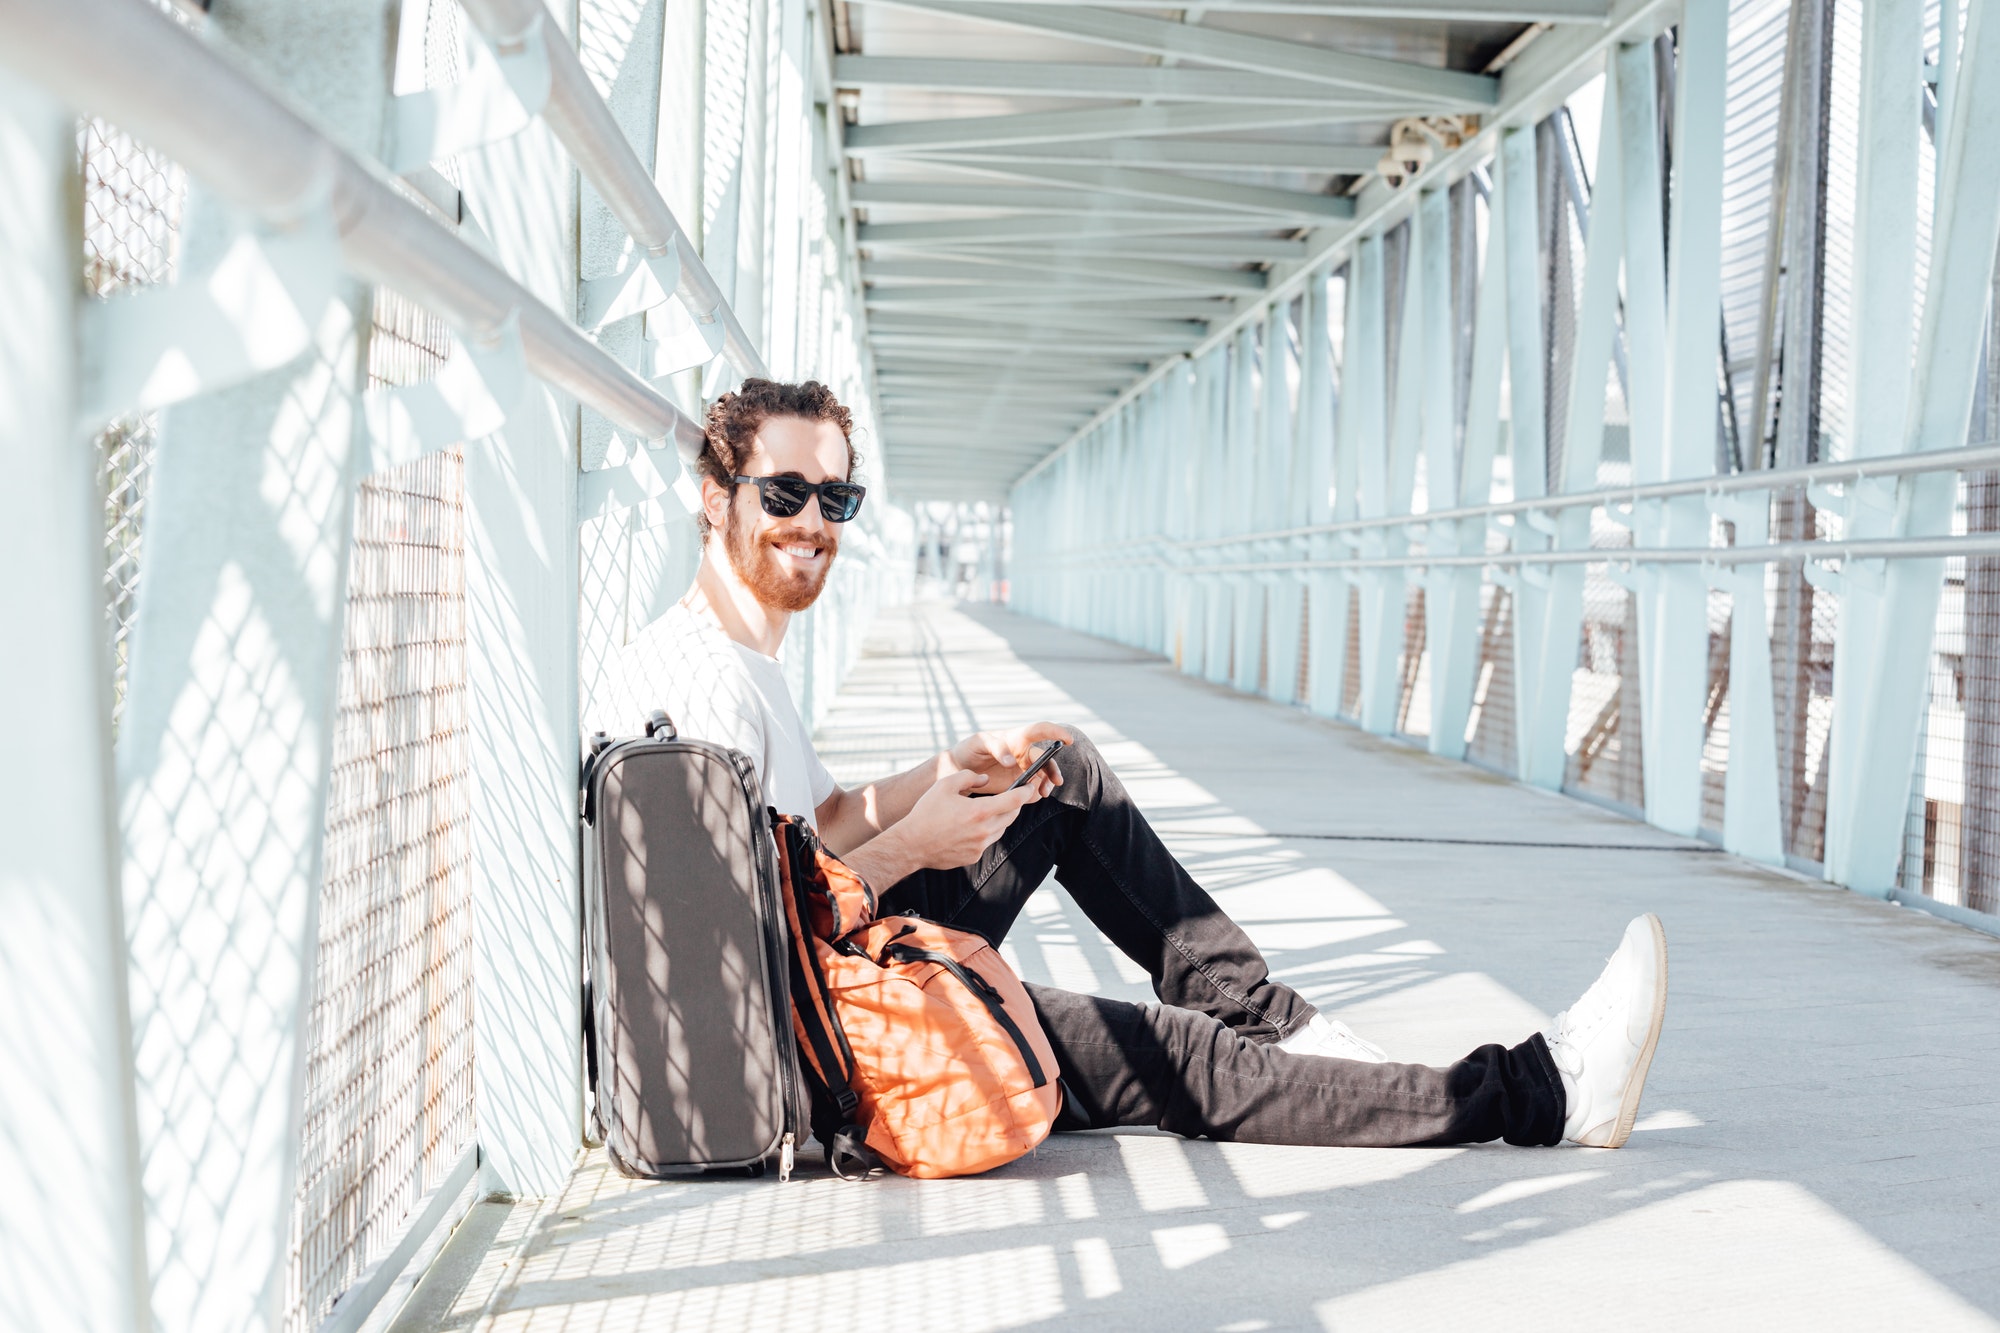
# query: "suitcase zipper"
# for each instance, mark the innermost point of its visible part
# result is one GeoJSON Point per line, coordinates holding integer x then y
{"type": "Point", "coordinates": [984, 989]}
{"type": "Point", "coordinates": [777, 950]}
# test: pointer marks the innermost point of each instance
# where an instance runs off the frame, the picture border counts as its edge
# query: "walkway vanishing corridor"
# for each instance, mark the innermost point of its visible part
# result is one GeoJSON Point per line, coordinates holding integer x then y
{"type": "Point", "coordinates": [1819, 1138]}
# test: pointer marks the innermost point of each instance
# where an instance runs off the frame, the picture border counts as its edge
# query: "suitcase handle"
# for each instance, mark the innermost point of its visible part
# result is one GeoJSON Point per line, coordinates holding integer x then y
{"type": "Point", "coordinates": [657, 722]}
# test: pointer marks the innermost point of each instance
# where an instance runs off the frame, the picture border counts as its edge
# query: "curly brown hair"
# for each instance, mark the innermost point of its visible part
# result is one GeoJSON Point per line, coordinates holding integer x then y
{"type": "Point", "coordinates": [735, 418]}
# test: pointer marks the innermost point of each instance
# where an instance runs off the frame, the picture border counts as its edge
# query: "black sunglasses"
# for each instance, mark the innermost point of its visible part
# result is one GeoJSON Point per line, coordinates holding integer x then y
{"type": "Point", "coordinates": [783, 497]}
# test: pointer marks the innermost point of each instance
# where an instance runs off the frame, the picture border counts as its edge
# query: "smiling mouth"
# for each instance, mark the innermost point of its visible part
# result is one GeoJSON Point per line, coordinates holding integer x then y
{"type": "Point", "coordinates": [801, 552]}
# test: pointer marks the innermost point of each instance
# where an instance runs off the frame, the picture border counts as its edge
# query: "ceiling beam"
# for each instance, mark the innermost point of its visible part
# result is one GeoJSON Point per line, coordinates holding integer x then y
{"type": "Point", "coordinates": [962, 425]}
{"type": "Point", "coordinates": [1109, 362]}
{"type": "Point", "coordinates": [1124, 300]}
{"type": "Point", "coordinates": [986, 377]}
{"type": "Point", "coordinates": [1443, 88]}
{"type": "Point", "coordinates": [1423, 11]}
{"type": "Point", "coordinates": [1046, 227]}
{"type": "Point", "coordinates": [956, 194]}
{"type": "Point", "coordinates": [1079, 322]}
{"type": "Point", "coordinates": [1201, 249]}
{"type": "Point", "coordinates": [1430, 11]}
{"type": "Point", "coordinates": [1000, 344]}
{"type": "Point", "coordinates": [1200, 154]}
{"type": "Point", "coordinates": [1024, 78]}
{"type": "Point", "coordinates": [1168, 187]}
{"type": "Point", "coordinates": [916, 136]}
{"type": "Point", "coordinates": [1139, 271]}
{"type": "Point", "coordinates": [962, 408]}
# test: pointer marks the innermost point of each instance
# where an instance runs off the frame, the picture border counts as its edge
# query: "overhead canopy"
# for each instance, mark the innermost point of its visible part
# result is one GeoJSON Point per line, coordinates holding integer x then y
{"type": "Point", "coordinates": [1051, 198]}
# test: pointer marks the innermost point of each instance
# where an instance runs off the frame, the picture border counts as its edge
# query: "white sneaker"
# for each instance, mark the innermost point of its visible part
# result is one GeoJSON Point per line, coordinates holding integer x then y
{"type": "Point", "coordinates": [1332, 1038]}
{"type": "Point", "coordinates": [1603, 1044]}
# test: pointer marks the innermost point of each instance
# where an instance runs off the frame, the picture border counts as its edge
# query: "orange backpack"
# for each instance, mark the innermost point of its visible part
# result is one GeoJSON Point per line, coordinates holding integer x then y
{"type": "Point", "coordinates": [921, 1038]}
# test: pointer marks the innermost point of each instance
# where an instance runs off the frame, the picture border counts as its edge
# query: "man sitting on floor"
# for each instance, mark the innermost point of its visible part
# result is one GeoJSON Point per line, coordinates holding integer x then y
{"type": "Point", "coordinates": [1228, 1053]}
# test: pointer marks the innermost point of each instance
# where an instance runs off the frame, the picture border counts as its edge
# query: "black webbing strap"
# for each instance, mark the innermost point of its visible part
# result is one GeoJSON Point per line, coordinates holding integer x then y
{"type": "Point", "coordinates": [847, 1151]}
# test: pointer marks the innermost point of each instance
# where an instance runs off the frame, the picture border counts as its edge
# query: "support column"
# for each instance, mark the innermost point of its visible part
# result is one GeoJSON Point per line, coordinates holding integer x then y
{"type": "Point", "coordinates": [1864, 849]}
{"type": "Point", "coordinates": [1246, 591]}
{"type": "Point", "coordinates": [1527, 435]}
{"type": "Point", "coordinates": [1452, 608]}
{"type": "Point", "coordinates": [1673, 600]}
{"type": "Point", "coordinates": [1543, 759]}
{"type": "Point", "coordinates": [1885, 238]}
{"type": "Point", "coordinates": [1365, 427]}
{"type": "Point", "coordinates": [226, 737]}
{"type": "Point", "coordinates": [522, 594]}
{"type": "Point", "coordinates": [71, 1220]}
{"type": "Point", "coordinates": [1284, 593]}
{"type": "Point", "coordinates": [1333, 495]}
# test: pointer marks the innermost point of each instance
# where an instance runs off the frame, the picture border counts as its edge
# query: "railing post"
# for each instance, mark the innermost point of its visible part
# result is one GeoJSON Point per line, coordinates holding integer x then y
{"type": "Point", "coordinates": [71, 1220]}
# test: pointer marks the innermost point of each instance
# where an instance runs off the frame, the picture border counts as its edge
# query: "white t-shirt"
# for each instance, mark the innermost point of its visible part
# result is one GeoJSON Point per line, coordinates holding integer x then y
{"type": "Point", "coordinates": [717, 690]}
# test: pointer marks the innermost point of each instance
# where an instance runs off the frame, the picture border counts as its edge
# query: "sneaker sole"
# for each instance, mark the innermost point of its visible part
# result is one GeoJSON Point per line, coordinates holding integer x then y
{"type": "Point", "coordinates": [1635, 1086]}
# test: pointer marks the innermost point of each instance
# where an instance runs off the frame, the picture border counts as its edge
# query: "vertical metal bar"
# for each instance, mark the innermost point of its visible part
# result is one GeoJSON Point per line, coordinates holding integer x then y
{"type": "Point", "coordinates": [1674, 601]}
{"type": "Point", "coordinates": [1366, 387]}
{"type": "Point", "coordinates": [1863, 850]}
{"type": "Point", "coordinates": [1885, 247]}
{"type": "Point", "coordinates": [71, 1219]}
{"type": "Point", "coordinates": [1453, 610]}
{"type": "Point", "coordinates": [224, 748]}
{"type": "Point", "coordinates": [1217, 590]}
{"type": "Point", "coordinates": [522, 654]}
{"type": "Point", "coordinates": [1526, 382]}
{"type": "Point", "coordinates": [1283, 593]}
{"type": "Point", "coordinates": [1327, 593]}
{"type": "Point", "coordinates": [1246, 591]}
{"type": "Point", "coordinates": [1542, 756]}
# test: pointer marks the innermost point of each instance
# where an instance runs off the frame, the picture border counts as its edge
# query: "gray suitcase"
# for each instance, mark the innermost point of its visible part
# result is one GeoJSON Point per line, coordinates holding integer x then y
{"type": "Point", "coordinates": [687, 1012]}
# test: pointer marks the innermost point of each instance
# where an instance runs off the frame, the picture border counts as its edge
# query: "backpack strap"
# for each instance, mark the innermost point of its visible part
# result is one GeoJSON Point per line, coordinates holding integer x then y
{"type": "Point", "coordinates": [829, 1058]}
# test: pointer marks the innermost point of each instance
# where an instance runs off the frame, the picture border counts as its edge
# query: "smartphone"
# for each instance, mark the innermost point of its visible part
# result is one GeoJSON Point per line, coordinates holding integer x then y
{"type": "Point", "coordinates": [1042, 760]}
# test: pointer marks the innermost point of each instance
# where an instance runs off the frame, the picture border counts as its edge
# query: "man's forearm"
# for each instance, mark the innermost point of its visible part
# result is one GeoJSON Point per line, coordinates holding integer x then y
{"type": "Point", "coordinates": [867, 812]}
{"type": "Point", "coordinates": [883, 861]}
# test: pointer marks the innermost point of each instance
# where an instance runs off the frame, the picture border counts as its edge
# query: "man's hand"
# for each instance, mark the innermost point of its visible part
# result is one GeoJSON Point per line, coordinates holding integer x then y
{"type": "Point", "coordinates": [999, 756]}
{"type": "Point", "coordinates": [944, 830]}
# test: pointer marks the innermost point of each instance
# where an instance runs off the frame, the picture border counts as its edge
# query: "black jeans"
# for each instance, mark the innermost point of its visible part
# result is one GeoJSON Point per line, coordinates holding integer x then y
{"type": "Point", "coordinates": [1203, 1062]}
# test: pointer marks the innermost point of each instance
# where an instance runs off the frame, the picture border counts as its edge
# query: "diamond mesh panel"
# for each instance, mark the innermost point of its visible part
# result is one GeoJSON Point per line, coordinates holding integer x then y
{"type": "Point", "coordinates": [132, 200]}
{"type": "Point", "coordinates": [1413, 669]}
{"type": "Point", "coordinates": [1492, 720]}
{"type": "Point", "coordinates": [389, 1095]}
{"type": "Point", "coordinates": [1601, 737]}
{"type": "Point", "coordinates": [1350, 679]}
{"type": "Point", "coordinates": [1715, 714]}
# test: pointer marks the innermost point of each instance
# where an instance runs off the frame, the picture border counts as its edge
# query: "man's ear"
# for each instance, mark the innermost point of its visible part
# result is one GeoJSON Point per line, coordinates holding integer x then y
{"type": "Point", "coordinates": [715, 503]}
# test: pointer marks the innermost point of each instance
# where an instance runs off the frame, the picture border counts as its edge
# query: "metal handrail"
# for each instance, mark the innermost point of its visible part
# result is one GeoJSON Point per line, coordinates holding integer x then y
{"type": "Point", "coordinates": [1971, 458]}
{"type": "Point", "coordinates": [1767, 479]}
{"type": "Point", "coordinates": [586, 127]}
{"type": "Point", "coordinates": [133, 65]}
{"type": "Point", "coordinates": [1878, 548]}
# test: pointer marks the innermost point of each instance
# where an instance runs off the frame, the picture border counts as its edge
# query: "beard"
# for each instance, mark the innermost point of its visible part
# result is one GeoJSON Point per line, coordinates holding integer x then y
{"type": "Point", "coordinates": [771, 581]}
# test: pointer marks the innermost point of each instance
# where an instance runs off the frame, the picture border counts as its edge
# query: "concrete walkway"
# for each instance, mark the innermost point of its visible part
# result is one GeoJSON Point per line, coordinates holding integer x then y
{"type": "Point", "coordinates": [1820, 1145]}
